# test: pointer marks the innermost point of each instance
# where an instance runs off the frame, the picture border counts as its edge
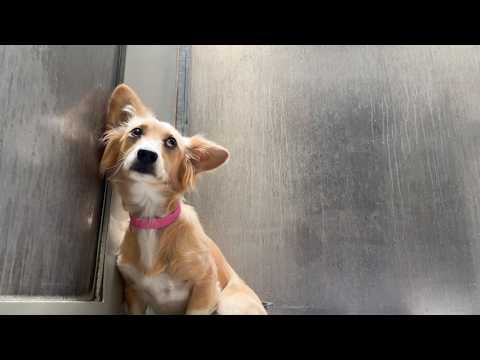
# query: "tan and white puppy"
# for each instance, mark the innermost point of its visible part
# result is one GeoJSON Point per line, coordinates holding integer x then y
{"type": "Point", "coordinates": [176, 269]}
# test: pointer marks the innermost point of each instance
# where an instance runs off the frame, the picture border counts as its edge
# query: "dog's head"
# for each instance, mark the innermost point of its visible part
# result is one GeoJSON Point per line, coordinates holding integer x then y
{"type": "Point", "coordinates": [140, 148]}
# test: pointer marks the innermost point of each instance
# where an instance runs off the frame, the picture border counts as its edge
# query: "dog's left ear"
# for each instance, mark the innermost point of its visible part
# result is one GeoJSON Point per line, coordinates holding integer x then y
{"type": "Point", "coordinates": [205, 155]}
{"type": "Point", "coordinates": [200, 155]}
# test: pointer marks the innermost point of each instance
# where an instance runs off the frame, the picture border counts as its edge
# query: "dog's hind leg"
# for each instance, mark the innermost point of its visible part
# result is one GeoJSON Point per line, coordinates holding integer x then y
{"type": "Point", "coordinates": [238, 299]}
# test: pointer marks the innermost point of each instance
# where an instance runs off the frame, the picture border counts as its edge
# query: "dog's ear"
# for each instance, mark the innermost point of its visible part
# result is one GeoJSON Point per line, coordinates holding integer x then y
{"type": "Point", "coordinates": [200, 155]}
{"type": "Point", "coordinates": [205, 155]}
{"type": "Point", "coordinates": [124, 103]}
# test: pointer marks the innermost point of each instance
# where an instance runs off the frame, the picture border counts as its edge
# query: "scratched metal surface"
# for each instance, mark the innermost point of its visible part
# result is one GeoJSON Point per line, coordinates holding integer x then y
{"type": "Point", "coordinates": [52, 100]}
{"type": "Point", "coordinates": [353, 186]}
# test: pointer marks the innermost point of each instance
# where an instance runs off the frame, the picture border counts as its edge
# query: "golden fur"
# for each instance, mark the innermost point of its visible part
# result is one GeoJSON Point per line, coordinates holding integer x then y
{"type": "Point", "coordinates": [182, 250]}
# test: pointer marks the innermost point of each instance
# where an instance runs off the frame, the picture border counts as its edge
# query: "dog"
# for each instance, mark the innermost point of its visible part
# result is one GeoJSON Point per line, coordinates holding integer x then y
{"type": "Point", "coordinates": [166, 260]}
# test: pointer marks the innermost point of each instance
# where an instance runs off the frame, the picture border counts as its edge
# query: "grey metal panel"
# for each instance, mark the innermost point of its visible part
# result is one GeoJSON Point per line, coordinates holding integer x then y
{"type": "Point", "coordinates": [109, 301]}
{"type": "Point", "coordinates": [353, 185]}
{"type": "Point", "coordinates": [151, 71]}
{"type": "Point", "coordinates": [53, 101]}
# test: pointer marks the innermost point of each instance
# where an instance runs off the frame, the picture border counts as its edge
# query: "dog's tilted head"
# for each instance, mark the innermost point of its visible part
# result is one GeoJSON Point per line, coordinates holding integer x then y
{"type": "Point", "coordinates": [142, 149]}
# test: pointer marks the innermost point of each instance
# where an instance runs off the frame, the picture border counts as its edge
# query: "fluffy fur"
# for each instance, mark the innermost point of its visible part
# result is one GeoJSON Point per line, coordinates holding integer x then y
{"type": "Point", "coordinates": [179, 269]}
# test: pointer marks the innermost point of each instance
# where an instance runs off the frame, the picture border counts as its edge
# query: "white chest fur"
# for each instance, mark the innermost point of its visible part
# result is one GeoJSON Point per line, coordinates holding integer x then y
{"type": "Point", "coordinates": [163, 293]}
{"type": "Point", "coordinates": [147, 240]}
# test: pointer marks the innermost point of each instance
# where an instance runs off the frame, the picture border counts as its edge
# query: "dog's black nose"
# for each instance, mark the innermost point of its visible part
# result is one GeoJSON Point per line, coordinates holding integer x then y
{"type": "Point", "coordinates": [146, 157]}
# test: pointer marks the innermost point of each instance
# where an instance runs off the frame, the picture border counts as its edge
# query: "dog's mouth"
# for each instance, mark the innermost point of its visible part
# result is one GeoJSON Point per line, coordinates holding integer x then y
{"type": "Point", "coordinates": [146, 169]}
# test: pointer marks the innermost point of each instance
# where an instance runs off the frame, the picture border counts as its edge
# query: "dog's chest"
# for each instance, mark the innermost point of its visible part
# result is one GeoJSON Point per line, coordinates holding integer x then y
{"type": "Point", "coordinates": [162, 292]}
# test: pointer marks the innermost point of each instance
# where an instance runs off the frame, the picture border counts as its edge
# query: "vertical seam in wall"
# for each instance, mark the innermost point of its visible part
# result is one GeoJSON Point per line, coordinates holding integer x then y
{"type": "Point", "coordinates": [178, 85]}
{"type": "Point", "coordinates": [183, 85]}
{"type": "Point", "coordinates": [102, 236]}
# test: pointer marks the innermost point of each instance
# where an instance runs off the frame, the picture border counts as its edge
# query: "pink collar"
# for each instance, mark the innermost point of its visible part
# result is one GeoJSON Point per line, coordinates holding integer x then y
{"type": "Point", "coordinates": [157, 222]}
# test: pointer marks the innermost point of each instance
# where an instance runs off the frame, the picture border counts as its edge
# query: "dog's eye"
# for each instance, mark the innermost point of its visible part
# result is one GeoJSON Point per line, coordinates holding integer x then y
{"type": "Point", "coordinates": [136, 132]}
{"type": "Point", "coordinates": [171, 143]}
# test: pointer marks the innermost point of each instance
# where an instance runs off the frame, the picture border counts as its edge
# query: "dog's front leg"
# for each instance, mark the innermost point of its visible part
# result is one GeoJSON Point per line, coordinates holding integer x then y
{"type": "Point", "coordinates": [203, 298]}
{"type": "Point", "coordinates": [135, 304]}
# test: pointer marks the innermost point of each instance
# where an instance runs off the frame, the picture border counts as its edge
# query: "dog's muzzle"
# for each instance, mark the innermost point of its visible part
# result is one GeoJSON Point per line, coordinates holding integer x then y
{"type": "Point", "coordinates": [144, 163]}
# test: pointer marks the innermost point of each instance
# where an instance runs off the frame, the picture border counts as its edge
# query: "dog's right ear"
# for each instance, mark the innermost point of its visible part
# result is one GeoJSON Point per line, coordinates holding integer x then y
{"type": "Point", "coordinates": [124, 103]}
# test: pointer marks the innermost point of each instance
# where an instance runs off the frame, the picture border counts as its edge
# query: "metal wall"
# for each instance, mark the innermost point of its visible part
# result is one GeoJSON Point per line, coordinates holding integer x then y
{"type": "Point", "coordinates": [353, 185]}
{"type": "Point", "coordinates": [52, 101]}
